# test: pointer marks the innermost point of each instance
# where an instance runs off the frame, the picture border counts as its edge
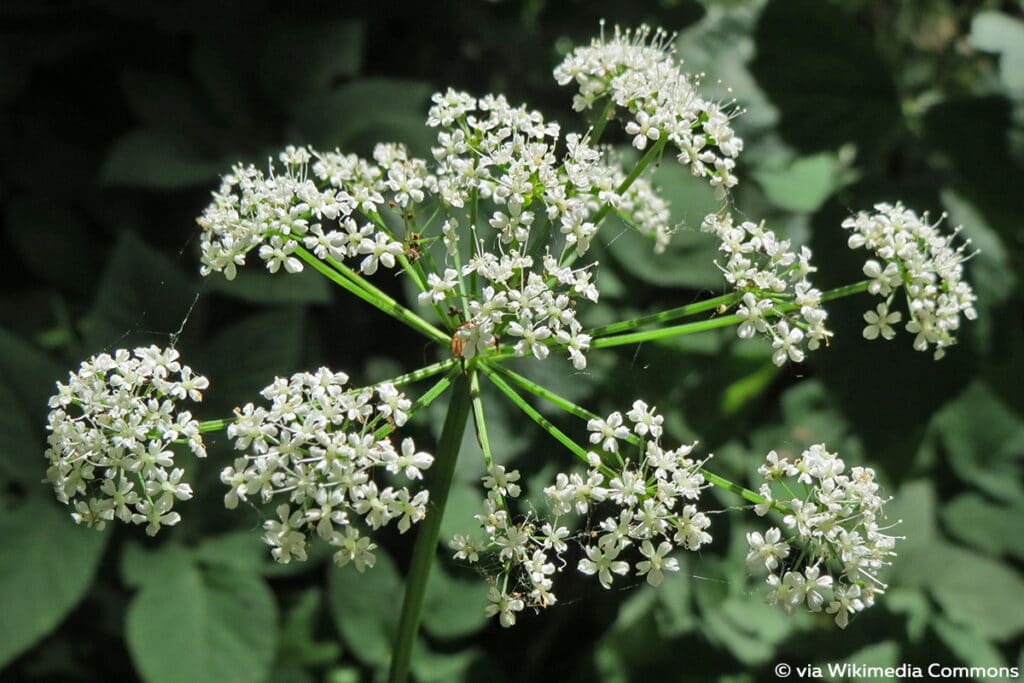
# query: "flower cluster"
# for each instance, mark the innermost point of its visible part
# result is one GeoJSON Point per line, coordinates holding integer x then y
{"type": "Point", "coordinates": [913, 253]}
{"type": "Point", "coordinates": [544, 204]}
{"type": "Point", "coordinates": [111, 430]}
{"type": "Point", "coordinates": [830, 547]}
{"type": "Point", "coordinates": [649, 504]}
{"type": "Point", "coordinates": [312, 206]}
{"type": "Point", "coordinates": [638, 71]}
{"type": "Point", "coordinates": [316, 448]}
{"type": "Point", "coordinates": [778, 301]}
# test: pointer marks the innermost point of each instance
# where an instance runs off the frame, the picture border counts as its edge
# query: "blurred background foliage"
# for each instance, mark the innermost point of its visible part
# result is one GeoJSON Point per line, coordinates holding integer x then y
{"type": "Point", "coordinates": [117, 119]}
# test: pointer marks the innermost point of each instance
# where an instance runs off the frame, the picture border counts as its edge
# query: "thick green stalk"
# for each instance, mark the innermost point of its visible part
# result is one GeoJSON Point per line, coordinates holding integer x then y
{"type": "Point", "coordinates": [429, 530]}
{"type": "Point", "coordinates": [376, 298]}
{"type": "Point", "coordinates": [712, 304]}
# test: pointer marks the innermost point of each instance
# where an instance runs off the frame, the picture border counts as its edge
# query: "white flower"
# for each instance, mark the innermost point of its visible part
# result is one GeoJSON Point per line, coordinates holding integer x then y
{"type": "Point", "coordinates": [642, 129]}
{"type": "Point", "coordinates": [504, 605]}
{"type": "Point", "coordinates": [767, 549]}
{"type": "Point", "coordinates": [381, 250]}
{"type": "Point", "coordinates": [608, 432]}
{"type": "Point", "coordinates": [356, 549]}
{"type": "Point", "coordinates": [847, 601]}
{"type": "Point", "coordinates": [656, 563]}
{"type": "Point", "coordinates": [603, 563]}
{"type": "Point", "coordinates": [913, 253]}
{"type": "Point", "coordinates": [880, 322]}
{"type": "Point", "coordinates": [111, 431]}
{"type": "Point", "coordinates": [314, 445]}
{"type": "Point", "coordinates": [787, 344]}
{"type": "Point", "coordinates": [503, 482]}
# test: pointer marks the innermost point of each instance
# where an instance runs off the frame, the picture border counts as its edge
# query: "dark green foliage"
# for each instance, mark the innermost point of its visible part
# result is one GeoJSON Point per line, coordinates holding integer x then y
{"type": "Point", "coordinates": [117, 120]}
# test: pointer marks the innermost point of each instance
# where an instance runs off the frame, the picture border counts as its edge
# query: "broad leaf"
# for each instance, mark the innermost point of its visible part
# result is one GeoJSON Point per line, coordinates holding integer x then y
{"type": "Point", "coordinates": [47, 564]}
{"type": "Point", "coordinates": [197, 626]}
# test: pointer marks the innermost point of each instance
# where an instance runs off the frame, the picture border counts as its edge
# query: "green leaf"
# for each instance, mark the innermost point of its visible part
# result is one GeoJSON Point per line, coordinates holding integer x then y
{"type": "Point", "coordinates": [884, 654]}
{"type": "Point", "coordinates": [805, 183]}
{"type": "Point", "coordinates": [142, 566]}
{"type": "Point", "coordinates": [21, 449]}
{"type": "Point", "coordinates": [299, 645]}
{"type": "Point", "coordinates": [166, 102]}
{"type": "Point", "coordinates": [974, 591]}
{"type": "Point", "coordinates": [914, 506]}
{"type": "Point", "coordinates": [673, 611]}
{"type": "Point", "coordinates": [28, 372]}
{"type": "Point", "coordinates": [749, 630]}
{"type": "Point", "coordinates": [47, 564]}
{"type": "Point", "coordinates": [991, 121]}
{"type": "Point", "coordinates": [241, 550]}
{"type": "Point", "coordinates": [984, 441]}
{"type": "Point", "coordinates": [453, 607]}
{"type": "Point", "coordinates": [258, 286]}
{"type": "Point", "coordinates": [196, 626]}
{"type": "Point", "coordinates": [158, 160]}
{"type": "Point", "coordinates": [997, 32]}
{"type": "Point", "coordinates": [52, 241]}
{"type": "Point", "coordinates": [246, 356]}
{"type": "Point", "coordinates": [967, 645]}
{"type": "Point", "coordinates": [435, 667]}
{"type": "Point", "coordinates": [915, 605]}
{"type": "Point", "coordinates": [688, 259]}
{"type": "Point", "coordinates": [985, 525]}
{"type": "Point", "coordinates": [142, 297]}
{"type": "Point", "coordinates": [831, 86]}
{"type": "Point", "coordinates": [359, 114]}
{"type": "Point", "coordinates": [365, 608]}
{"type": "Point", "coordinates": [465, 500]}
{"type": "Point", "coordinates": [301, 59]}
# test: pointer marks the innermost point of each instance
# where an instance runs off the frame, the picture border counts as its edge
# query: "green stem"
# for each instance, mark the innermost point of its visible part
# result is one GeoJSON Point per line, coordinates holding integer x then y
{"type": "Point", "coordinates": [541, 392]}
{"type": "Point", "coordinates": [666, 332]}
{"type": "Point", "coordinates": [665, 316]}
{"type": "Point", "coordinates": [584, 414]}
{"type": "Point", "coordinates": [481, 425]}
{"type": "Point", "coordinates": [653, 153]}
{"type": "Point", "coordinates": [602, 120]}
{"type": "Point", "coordinates": [215, 425]}
{"type": "Point", "coordinates": [430, 529]}
{"type": "Point", "coordinates": [534, 415]}
{"type": "Point", "coordinates": [372, 295]}
{"type": "Point", "coordinates": [423, 401]}
{"type": "Point", "coordinates": [845, 290]}
{"type": "Point", "coordinates": [741, 491]}
{"type": "Point", "coordinates": [478, 418]}
{"type": "Point", "coordinates": [570, 255]}
{"type": "Point", "coordinates": [703, 325]}
{"type": "Point", "coordinates": [422, 373]}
